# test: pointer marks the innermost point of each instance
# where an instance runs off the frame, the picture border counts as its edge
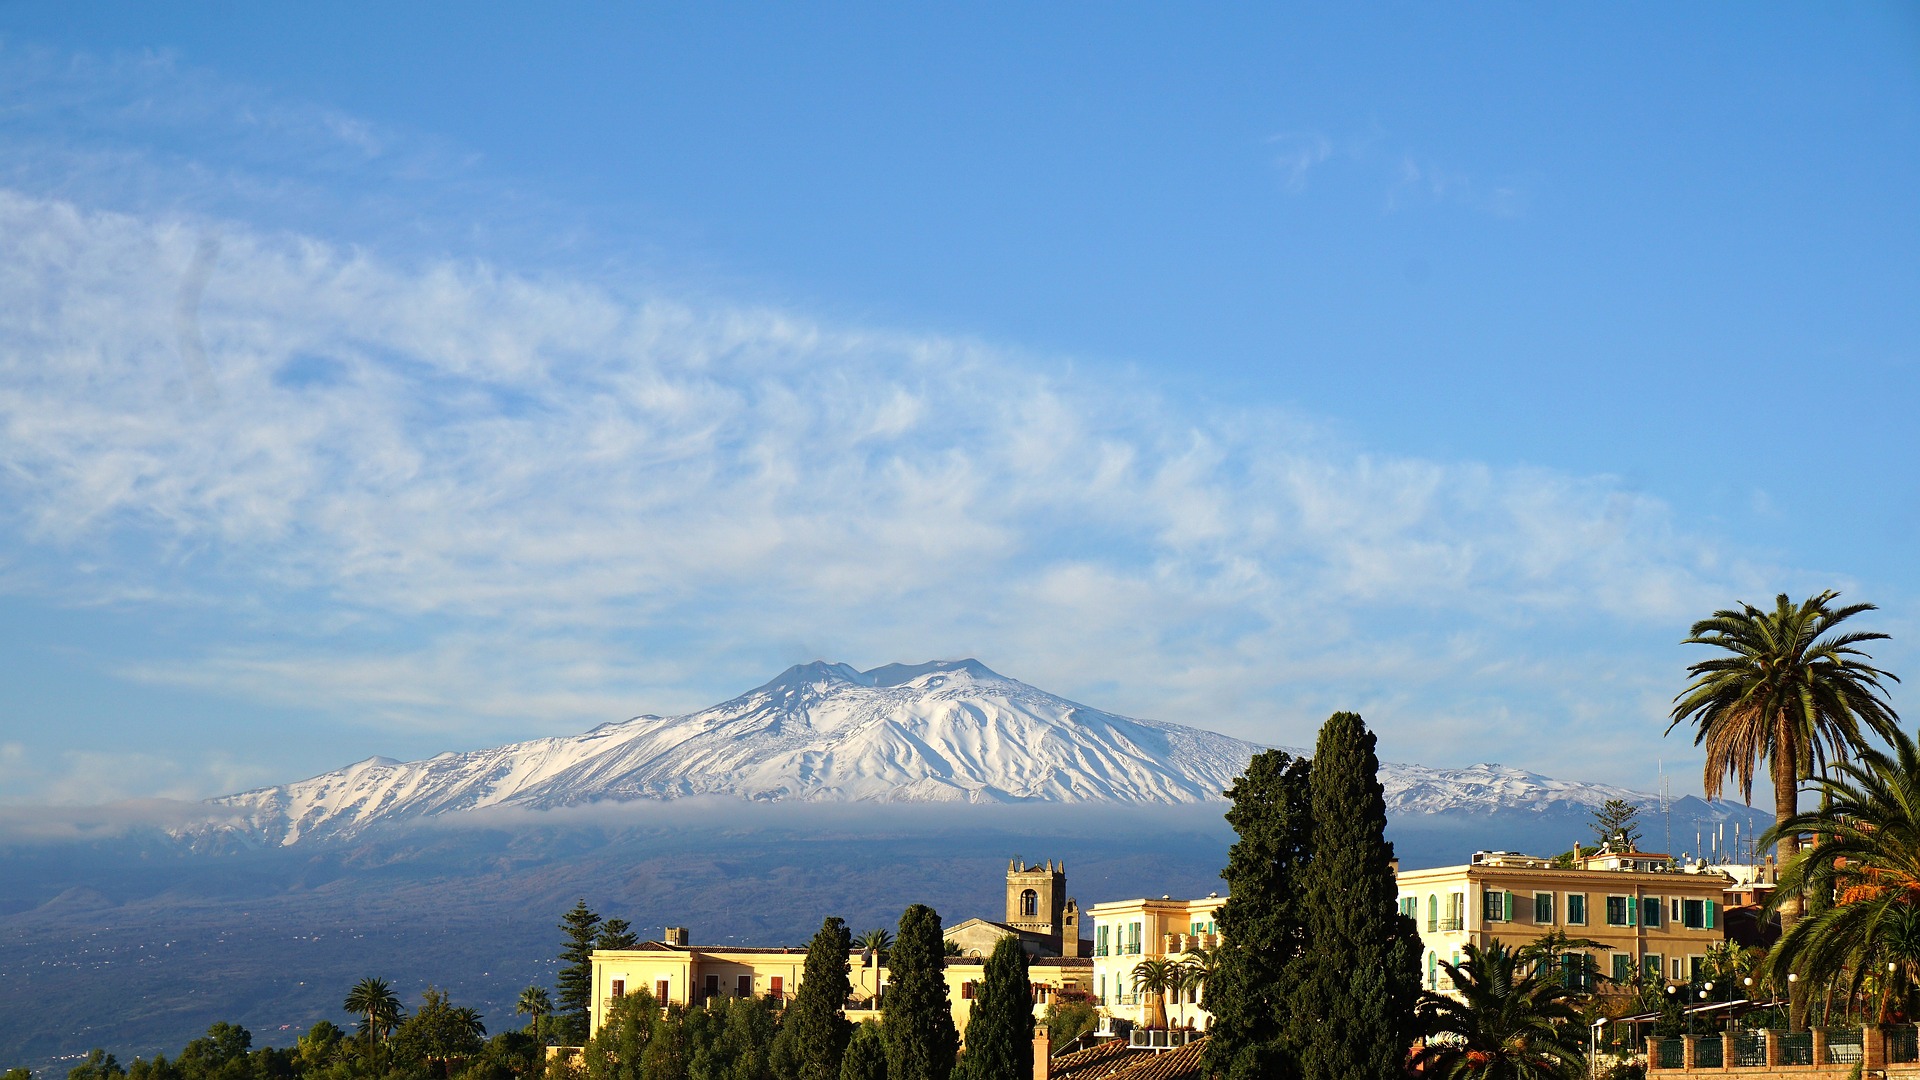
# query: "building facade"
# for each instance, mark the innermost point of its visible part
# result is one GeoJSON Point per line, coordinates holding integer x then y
{"type": "Point", "coordinates": [1128, 932]}
{"type": "Point", "coordinates": [1646, 915]}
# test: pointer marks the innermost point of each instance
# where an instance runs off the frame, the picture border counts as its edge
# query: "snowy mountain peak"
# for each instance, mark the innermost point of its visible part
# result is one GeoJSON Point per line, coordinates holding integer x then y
{"type": "Point", "coordinates": [944, 731]}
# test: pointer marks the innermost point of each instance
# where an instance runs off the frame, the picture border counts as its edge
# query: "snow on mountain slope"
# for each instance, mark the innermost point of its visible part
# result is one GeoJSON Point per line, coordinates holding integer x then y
{"type": "Point", "coordinates": [938, 732]}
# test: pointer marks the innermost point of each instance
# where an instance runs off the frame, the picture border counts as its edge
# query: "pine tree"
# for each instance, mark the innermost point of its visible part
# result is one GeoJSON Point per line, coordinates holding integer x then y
{"type": "Point", "coordinates": [1262, 927]}
{"type": "Point", "coordinates": [1351, 1015]}
{"type": "Point", "coordinates": [813, 1029]}
{"type": "Point", "coordinates": [1000, 1025]}
{"type": "Point", "coordinates": [575, 981]}
{"type": "Point", "coordinates": [866, 1055]}
{"type": "Point", "coordinates": [1614, 823]}
{"type": "Point", "coordinates": [616, 934]}
{"type": "Point", "coordinates": [921, 1040]}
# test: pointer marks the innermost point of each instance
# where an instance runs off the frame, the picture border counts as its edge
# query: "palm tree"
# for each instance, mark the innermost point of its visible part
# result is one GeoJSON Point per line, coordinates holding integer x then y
{"type": "Point", "coordinates": [878, 942]}
{"type": "Point", "coordinates": [535, 1003]}
{"type": "Point", "coordinates": [1154, 977]}
{"type": "Point", "coordinates": [1201, 963]}
{"type": "Point", "coordinates": [1542, 954]}
{"type": "Point", "coordinates": [1180, 979]}
{"type": "Point", "coordinates": [374, 1001]}
{"type": "Point", "coordinates": [1794, 693]}
{"type": "Point", "coordinates": [1504, 1026]}
{"type": "Point", "coordinates": [1868, 860]}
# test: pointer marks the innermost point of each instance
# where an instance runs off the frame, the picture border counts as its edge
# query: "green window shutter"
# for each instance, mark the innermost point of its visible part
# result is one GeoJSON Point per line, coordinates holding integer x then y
{"type": "Point", "coordinates": [1512, 916]}
{"type": "Point", "coordinates": [1709, 909]}
{"type": "Point", "coordinates": [1633, 911]}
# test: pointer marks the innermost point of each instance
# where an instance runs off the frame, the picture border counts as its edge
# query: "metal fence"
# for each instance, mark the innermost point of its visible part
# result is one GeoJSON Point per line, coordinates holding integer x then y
{"type": "Point", "coordinates": [1749, 1049]}
{"type": "Point", "coordinates": [1669, 1053]}
{"type": "Point", "coordinates": [1796, 1048]}
{"type": "Point", "coordinates": [1708, 1052]}
{"type": "Point", "coordinates": [1903, 1043]}
{"type": "Point", "coordinates": [1843, 1046]}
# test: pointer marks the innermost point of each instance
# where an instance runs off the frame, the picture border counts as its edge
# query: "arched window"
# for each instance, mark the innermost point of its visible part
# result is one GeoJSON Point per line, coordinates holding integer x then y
{"type": "Point", "coordinates": [1029, 904]}
{"type": "Point", "coordinates": [1433, 912]}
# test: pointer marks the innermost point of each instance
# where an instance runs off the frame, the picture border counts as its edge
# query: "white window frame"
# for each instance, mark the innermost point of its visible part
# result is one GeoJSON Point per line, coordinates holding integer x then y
{"type": "Point", "coordinates": [1553, 908]}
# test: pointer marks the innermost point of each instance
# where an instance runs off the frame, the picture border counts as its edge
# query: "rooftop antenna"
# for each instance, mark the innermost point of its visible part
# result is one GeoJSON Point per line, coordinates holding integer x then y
{"type": "Point", "coordinates": [1666, 814]}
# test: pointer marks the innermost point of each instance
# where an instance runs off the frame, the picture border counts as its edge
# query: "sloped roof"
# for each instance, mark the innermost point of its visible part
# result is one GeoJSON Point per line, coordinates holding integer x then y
{"type": "Point", "coordinates": [1115, 1060]}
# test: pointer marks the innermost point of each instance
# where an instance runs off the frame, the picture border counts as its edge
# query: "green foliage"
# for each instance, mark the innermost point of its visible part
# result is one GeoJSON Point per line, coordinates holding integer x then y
{"type": "Point", "coordinates": [737, 1042]}
{"type": "Point", "coordinates": [616, 934]}
{"type": "Point", "coordinates": [98, 1065]}
{"type": "Point", "coordinates": [1067, 1020]}
{"type": "Point", "coordinates": [17, 1074]}
{"type": "Point", "coordinates": [534, 1003]}
{"type": "Point", "coordinates": [866, 1057]}
{"type": "Point", "coordinates": [1352, 1002]}
{"type": "Point", "coordinates": [374, 1002]}
{"type": "Point", "coordinates": [616, 1050]}
{"type": "Point", "coordinates": [580, 925]}
{"type": "Point", "coordinates": [1614, 823]}
{"type": "Point", "coordinates": [814, 1030]}
{"type": "Point", "coordinates": [1869, 858]}
{"type": "Point", "coordinates": [1262, 927]}
{"type": "Point", "coordinates": [921, 1040]}
{"type": "Point", "coordinates": [320, 1046]}
{"type": "Point", "coordinates": [1504, 1023]}
{"type": "Point", "coordinates": [439, 1033]}
{"type": "Point", "coordinates": [1000, 1024]}
{"type": "Point", "coordinates": [220, 1054]}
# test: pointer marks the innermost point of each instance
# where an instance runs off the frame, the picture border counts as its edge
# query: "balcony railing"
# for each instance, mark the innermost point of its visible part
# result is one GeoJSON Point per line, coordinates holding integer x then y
{"type": "Point", "coordinates": [1162, 1039]}
{"type": "Point", "coordinates": [1452, 924]}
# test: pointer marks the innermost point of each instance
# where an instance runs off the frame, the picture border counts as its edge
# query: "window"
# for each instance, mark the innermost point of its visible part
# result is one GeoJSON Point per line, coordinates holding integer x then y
{"type": "Point", "coordinates": [1650, 963]}
{"type": "Point", "coordinates": [1650, 912]}
{"type": "Point", "coordinates": [1103, 989]}
{"type": "Point", "coordinates": [1622, 968]}
{"type": "Point", "coordinates": [776, 988]}
{"type": "Point", "coordinates": [1493, 905]}
{"type": "Point", "coordinates": [1029, 903]}
{"type": "Point", "coordinates": [1100, 941]}
{"type": "Point", "coordinates": [660, 991]}
{"type": "Point", "coordinates": [966, 991]}
{"type": "Point", "coordinates": [1433, 912]}
{"type": "Point", "coordinates": [1676, 909]}
{"type": "Point", "coordinates": [1697, 914]}
{"type": "Point", "coordinates": [1679, 968]}
{"type": "Point", "coordinates": [713, 987]}
{"type": "Point", "coordinates": [746, 987]}
{"type": "Point", "coordinates": [1543, 908]}
{"type": "Point", "coordinates": [1133, 939]}
{"type": "Point", "coordinates": [1576, 909]}
{"type": "Point", "coordinates": [1433, 970]}
{"type": "Point", "coordinates": [1694, 963]}
{"type": "Point", "coordinates": [1620, 910]}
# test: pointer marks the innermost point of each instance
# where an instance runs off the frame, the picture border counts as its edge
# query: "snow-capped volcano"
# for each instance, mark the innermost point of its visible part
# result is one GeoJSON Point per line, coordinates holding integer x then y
{"type": "Point", "coordinates": [950, 731]}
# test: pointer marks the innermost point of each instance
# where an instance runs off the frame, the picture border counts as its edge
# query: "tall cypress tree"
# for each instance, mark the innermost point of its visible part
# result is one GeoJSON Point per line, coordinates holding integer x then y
{"type": "Point", "coordinates": [1351, 1015]}
{"type": "Point", "coordinates": [813, 1029]}
{"type": "Point", "coordinates": [1262, 927]}
{"type": "Point", "coordinates": [921, 1040]}
{"type": "Point", "coordinates": [1000, 1025]}
{"type": "Point", "coordinates": [575, 980]}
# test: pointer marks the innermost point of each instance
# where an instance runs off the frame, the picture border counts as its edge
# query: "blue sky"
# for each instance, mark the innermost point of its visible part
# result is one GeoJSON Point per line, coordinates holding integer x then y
{"type": "Point", "coordinates": [392, 381]}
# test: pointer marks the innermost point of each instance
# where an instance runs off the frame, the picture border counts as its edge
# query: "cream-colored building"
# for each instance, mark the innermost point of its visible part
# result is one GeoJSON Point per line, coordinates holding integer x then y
{"type": "Point", "coordinates": [674, 971]}
{"type": "Point", "coordinates": [1127, 932]}
{"type": "Point", "coordinates": [1648, 915]}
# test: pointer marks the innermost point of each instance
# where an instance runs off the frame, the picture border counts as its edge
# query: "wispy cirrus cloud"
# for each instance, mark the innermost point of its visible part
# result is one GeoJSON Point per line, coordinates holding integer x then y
{"type": "Point", "coordinates": [543, 497]}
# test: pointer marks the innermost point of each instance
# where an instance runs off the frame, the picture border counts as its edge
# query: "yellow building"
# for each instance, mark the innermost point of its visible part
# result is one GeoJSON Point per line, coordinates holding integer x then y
{"type": "Point", "coordinates": [673, 970]}
{"type": "Point", "coordinates": [1648, 915]}
{"type": "Point", "coordinates": [1127, 932]}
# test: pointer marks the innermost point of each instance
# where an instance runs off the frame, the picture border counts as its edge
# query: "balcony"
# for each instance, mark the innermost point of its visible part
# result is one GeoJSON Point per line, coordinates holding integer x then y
{"type": "Point", "coordinates": [1161, 1039]}
{"type": "Point", "coordinates": [1452, 925]}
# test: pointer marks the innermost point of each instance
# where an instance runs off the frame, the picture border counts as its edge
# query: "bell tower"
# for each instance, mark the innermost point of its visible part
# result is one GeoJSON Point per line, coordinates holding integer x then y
{"type": "Point", "coordinates": [1037, 902]}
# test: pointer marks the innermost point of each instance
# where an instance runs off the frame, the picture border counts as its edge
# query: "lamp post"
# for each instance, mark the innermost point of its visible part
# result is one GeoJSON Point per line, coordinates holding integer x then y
{"type": "Point", "coordinates": [1706, 992]}
{"type": "Point", "coordinates": [1792, 977]}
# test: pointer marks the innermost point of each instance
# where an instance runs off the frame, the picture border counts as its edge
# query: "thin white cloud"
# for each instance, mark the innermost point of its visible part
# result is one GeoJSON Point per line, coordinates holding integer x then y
{"type": "Point", "coordinates": [560, 497]}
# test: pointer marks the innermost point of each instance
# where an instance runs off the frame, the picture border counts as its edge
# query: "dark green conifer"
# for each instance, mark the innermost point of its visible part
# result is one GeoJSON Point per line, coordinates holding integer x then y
{"type": "Point", "coordinates": [616, 934]}
{"type": "Point", "coordinates": [575, 980]}
{"type": "Point", "coordinates": [921, 1040]}
{"type": "Point", "coordinates": [1262, 928]}
{"type": "Point", "coordinates": [814, 1029]}
{"type": "Point", "coordinates": [1000, 1024]}
{"type": "Point", "coordinates": [1351, 1002]}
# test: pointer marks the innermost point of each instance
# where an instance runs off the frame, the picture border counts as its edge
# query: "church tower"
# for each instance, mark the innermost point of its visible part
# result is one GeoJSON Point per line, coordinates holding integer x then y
{"type": "Point", "coordinates": [1037, 903]}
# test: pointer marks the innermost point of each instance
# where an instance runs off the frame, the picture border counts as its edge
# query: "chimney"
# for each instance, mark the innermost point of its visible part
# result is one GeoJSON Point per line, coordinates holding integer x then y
{"type": "Point", "coordinates": [1042, 1053]}
{"type": "Point", "coordinates": [676, 936]}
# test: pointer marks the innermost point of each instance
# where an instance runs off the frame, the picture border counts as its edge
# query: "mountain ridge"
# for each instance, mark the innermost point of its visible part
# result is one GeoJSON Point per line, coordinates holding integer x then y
{"type": "Point", "coordinates": [953, 731]}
